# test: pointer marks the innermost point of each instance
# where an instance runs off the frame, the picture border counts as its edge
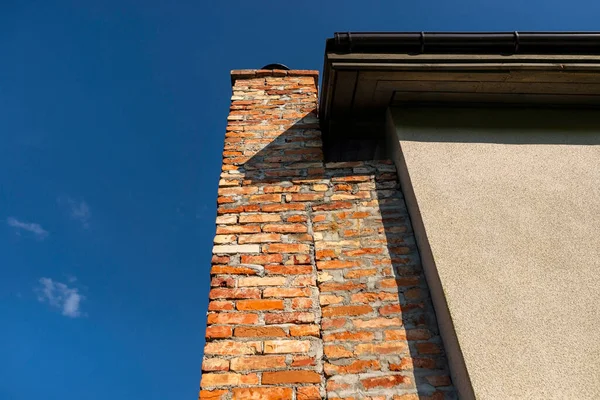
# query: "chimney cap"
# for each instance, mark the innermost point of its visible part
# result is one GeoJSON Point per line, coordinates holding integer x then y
{"type": "Point", "coordinates": [276, 66]}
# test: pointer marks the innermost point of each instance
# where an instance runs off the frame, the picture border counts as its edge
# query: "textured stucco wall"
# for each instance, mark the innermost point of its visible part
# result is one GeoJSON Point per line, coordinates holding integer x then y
{"type": "Point", "coordinates": [510, 202]}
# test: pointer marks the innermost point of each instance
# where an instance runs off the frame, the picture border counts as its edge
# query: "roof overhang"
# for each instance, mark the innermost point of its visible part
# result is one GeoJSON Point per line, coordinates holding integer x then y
{"type": "Point", "coordinates": [364, 73]}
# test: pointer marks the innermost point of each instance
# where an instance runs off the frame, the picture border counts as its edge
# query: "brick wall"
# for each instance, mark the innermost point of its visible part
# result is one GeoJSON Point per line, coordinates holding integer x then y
{"type": "Point", "coordinates": [316, 287]}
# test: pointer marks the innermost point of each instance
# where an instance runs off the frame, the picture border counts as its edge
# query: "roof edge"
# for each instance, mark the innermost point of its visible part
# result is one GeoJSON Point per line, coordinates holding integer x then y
{"type": "Point", "coordinates": [466, 42]}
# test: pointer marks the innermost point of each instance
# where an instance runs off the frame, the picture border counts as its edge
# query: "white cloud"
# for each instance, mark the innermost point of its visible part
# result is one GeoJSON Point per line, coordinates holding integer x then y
{"type": "Point", "coordinates": [31, 227]}
{"type": "Point", "coordinates": [60, 296]}
{"type": "Point", "coordinates": [78, 210]}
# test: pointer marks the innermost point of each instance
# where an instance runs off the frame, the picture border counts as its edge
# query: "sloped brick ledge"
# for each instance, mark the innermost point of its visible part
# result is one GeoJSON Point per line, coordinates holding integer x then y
{"type": "Point", "coordinates": [260, 73]}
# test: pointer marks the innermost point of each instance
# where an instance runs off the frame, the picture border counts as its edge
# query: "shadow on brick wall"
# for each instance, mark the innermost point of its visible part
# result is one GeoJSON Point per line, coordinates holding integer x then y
{"type": "Point", "coordinates": [378, 326]}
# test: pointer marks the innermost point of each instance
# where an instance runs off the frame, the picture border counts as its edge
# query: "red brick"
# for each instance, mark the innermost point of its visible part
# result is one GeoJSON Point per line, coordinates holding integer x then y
{"type": "Point", "coordinates": [281, 189]}
{"type": "Point", "coordinates": [225, 200]}
{"type": "Point", "coordinates": [231, 153]}
{"type": "Point", "coordinates": [215, 364]}
{"type": "Point", "coordinates": [231, 318]}
{"type": "Point", "coordinates": [265, 198]}
{"type": "Point", "coordinates": [259, 238]}
{"type": "Point", "coordinates": [360, 336]}
{"type": "Point", "coordinates": [377, 322]}
{"type": "Point", "coordinates": [381, 348]}
{"type": "Point", "coordinates": [302, 303]}
{"type": "Point", "coordinates": [220, 259]}
{"type": "Point", "coordinates": [213, 394]}
{"type": "Point", "coordinates": [262, 281]}
{"type": "Point", "coordinates": [347, 196]}
{"type": "Point", "coordinates": [223, 281]}
{"type": "Point", "coordinates": [228, 379]}
{"type": "Point", "coordinates": [288, 269]}
{"type": "Point", "coordinates": [308, 393]}
{"type": "Point", "coordinates": [386, 381]}
{"type": "Point", "coordinates": [282, 207]}
{"type": "Point", "coordinates": [321, 254]}
{"type": "Point", "coordinates": [304, 330]}
{"type": "Point", "coordinates": [413, 294]}
{"type": "Point", "coordinates": [398, 282]}
{"type": "Point", "coordinates": [304, 197]}
{"type": "Point", "coordinates": [304, 280]}
{"type": "Point", "coordinates": [437, 395]}
{"type": "Point", "coordinates": [363, 251]}
{"type": "Point", "coordinates": [286, 292]}
{"type": "Point", "coordinates": [428, 348]}
{"type": "Point", "coordinates": [319, 218]}
{"type": "Point", "coordinates": [423, 362]}
{"type": "Point", "coordinates": [326, 299]}
{"type": "Point", "coordinates": [220, 306]}
{"type": "Point", "coordinates": [286, 248]}
{"type": "Point", "coordinates": [408, 397]}
{"type": "Point", "coordinates": [257, 363]}
{"type": "Point", "coordinates": [222, 293]}
{"type": "Point", "coordinates": [237, 190]}
{"type": "Point", "coordinates": [406, 363]}
{"type": "Point", "coordinates": [300, 237]}
{"type": "Point", "coordinates": [259, 305]}
{"type": "Point", "coordinates": [262, 259]}
{"type": "Point", "coordinates": [359, 273]}
{"type": "Point", "coordinates": [335, 286]}
{"type": "Point", "coordinates": [231, 348]}
{"type": "Point", "coordinates": [238, 229]}
{"type": "Point", "coordinates": [369, 297]}
{"type": "Point", "coordinates": [285, 228]}
{"type": "Point", "coordinates": [286, 346]}
{"type": "Point", "coordinates": [336, 323]}
{"type": "Point", "coordinates": [337, 205]}
{"type": "Point", "coordinates": [232, 270]}
{"type": "Point", "coordinates": [313, 74]}
{"type": "Point", "coordinates": [335, 264]}
{"type": "Point", "coordinates": [259, 218]}
{"type": "Point", "coordinates": [303, 361]}
{"type": "Point", "coordinates": [298, 259]}
{"type": "Point", "coordinates": [334, 351]}
{"type": "Point", "coordinates": [390, 309]}
{"type": "Point", "coordinates": [354, 367]}
{"type": "Point", "coordinates": [410, 334]}
{"type": "Point", "coordinates": [283, 377]}
{"type": "Point", "coordinates": [263, 393]}
{"type": "Point", "coordinates": [289, 318]}
{"type": "Point", "coordinates": [361, 215]}
{"type": "Point", "coordinates": [259, 331]}
{"type": "Point", "coordinates": [342, 187]}
{"type": "Point", "coordinates": [439, 380]}
{"type": "Point", "coordinates": [353, 178]}
{"type": "Point", "coordinates": [224, 239]}
{"type": "Point", "coordinates": [333, 385]}
{"type": "Point", "coordinates": [219, 332]}
{"type": "Point", "coordinates": [334, 311]}
{"type": "Point", "coordinates": [296, 218]}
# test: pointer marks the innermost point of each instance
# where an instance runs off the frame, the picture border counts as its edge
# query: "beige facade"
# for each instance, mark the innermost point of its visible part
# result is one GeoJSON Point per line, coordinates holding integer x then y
{"type": "Point", "coordinates": [506, 208]}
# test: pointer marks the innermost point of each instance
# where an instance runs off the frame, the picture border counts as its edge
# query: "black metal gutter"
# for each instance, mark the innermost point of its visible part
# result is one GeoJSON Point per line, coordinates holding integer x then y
{"type": "Point", "coordinates": [466, 42]}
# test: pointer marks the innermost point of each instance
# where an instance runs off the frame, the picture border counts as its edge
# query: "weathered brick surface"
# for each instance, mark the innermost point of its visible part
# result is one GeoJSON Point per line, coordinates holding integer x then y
{"type": "Point", "coordinates": [316, 285]}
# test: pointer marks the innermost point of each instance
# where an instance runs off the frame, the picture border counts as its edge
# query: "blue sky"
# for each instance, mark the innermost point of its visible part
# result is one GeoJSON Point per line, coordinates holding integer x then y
{"type": "Point", "coordinates": [112, 116]}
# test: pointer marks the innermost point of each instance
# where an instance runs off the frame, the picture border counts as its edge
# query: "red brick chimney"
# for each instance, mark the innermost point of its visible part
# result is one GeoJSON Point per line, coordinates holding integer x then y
{"type": "Point", "coordinates": [316, 284]}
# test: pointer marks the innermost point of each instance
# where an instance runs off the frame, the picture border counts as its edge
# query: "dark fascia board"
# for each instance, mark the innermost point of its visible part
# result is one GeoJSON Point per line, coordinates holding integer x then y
{"type": "Point", "coordinates": [466, 42]}
{"type": "Point", "coordinates": [463, 51]}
